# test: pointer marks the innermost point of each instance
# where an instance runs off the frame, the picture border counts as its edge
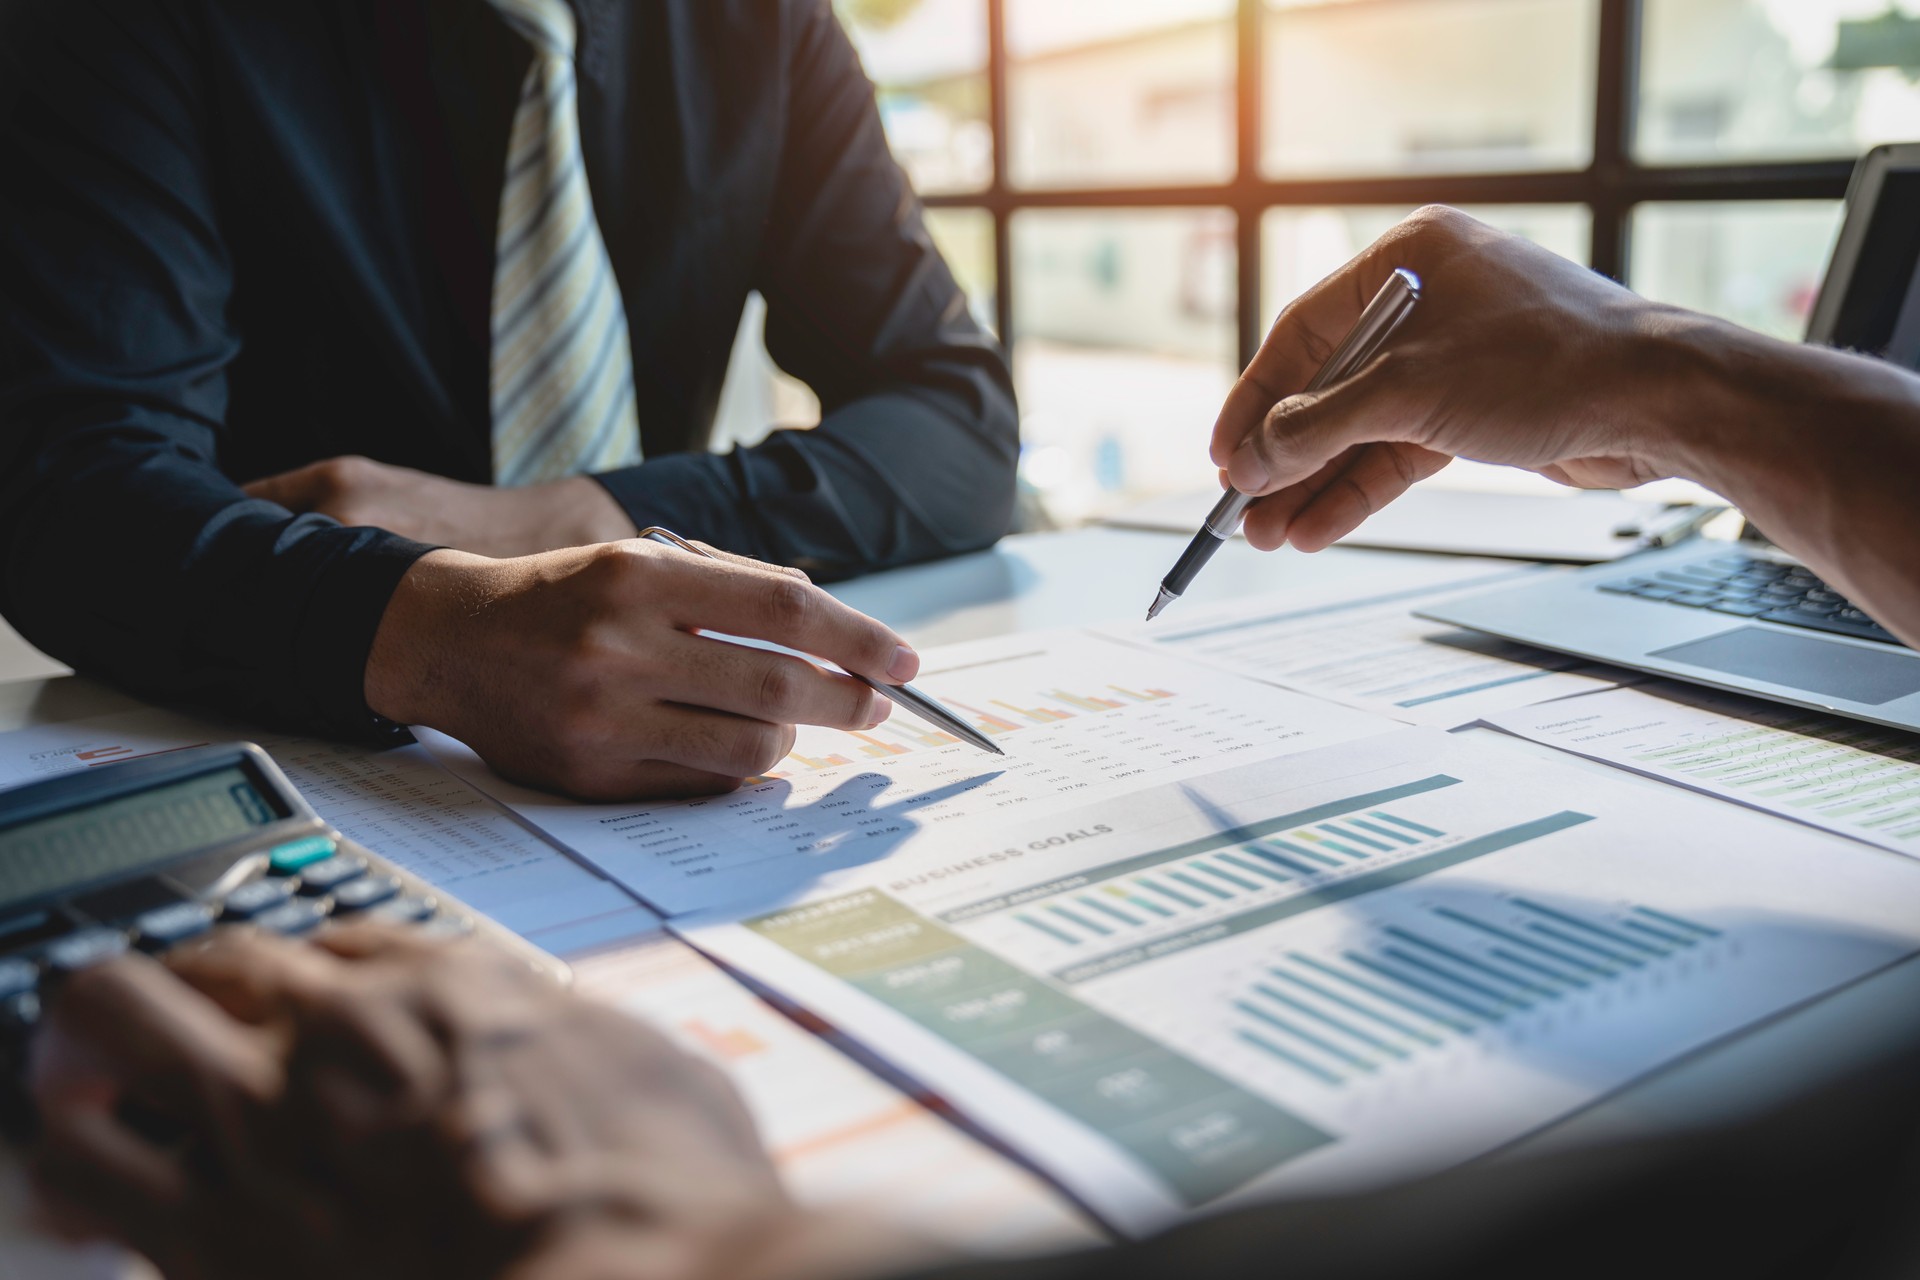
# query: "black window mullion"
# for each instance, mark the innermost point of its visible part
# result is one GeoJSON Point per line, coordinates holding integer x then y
{"type": "Point", "coordinates": [998, 193]}
{"type": "Point", "coordinates": [1617, 92]}
{"type": "Point", "coordinates": [1250, 95]}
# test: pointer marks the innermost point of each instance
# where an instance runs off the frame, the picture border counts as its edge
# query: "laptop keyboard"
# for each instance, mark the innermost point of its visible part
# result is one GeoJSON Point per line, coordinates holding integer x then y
{"type": "Point", "coordinates": [1749, 587]}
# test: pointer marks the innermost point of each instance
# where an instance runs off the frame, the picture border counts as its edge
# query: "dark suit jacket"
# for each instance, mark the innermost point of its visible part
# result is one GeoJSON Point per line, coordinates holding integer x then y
{"type": "Point", "coordinates": [236, 237]}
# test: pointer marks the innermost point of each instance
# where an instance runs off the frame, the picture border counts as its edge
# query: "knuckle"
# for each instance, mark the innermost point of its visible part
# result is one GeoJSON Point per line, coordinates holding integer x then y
{"type": "Point", "coordinates": [790, 603]}
{"type": "Point", "coordinates": [780, 689]}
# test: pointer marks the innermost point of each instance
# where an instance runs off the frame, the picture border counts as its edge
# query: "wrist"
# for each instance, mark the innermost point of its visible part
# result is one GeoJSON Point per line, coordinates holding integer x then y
{"type": "Point", "coordinates": [410, 664]}
{"type": "Point", "coordinates": [588, 514]}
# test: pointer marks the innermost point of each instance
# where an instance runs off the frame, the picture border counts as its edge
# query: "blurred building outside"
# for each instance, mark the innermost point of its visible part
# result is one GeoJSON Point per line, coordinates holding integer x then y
{"type": "Point", "coordinates": [1124, 317]}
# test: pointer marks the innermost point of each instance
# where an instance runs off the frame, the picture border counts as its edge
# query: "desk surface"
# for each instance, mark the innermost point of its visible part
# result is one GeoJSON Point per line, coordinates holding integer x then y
{"type": "Point", "coordinates": [1094, 576]}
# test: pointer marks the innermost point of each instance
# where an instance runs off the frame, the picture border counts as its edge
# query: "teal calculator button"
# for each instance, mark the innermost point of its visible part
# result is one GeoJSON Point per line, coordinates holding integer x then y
{"type": "Point", "coordinates": [290, 857]}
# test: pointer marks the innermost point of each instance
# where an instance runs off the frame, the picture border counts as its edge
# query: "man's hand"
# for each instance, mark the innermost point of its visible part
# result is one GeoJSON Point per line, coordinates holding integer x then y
{"type": "Point", "coordinates": [1514, 355]}
{"type": "Point", "coordinates": [487, 521]}
{"type": "Point", "coordinates": [388, 1108]}
{"type": "Point", "coordinates": [581, 670]}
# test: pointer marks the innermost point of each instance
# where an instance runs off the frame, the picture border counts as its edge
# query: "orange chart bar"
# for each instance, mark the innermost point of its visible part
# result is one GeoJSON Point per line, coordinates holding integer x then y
{"type": "Point", "coordinates": [878, 749]}
{"type": "Point", "coordinates": [819, 762]}
{"type": "Point", "coordinates": [1085, 703]}
{"type": "Point", "coordinates": [986, 721]}
{"type": "Point", "coordinates": [1151, 695]}
{"type": "Point", "coordinates": [1039, 715]}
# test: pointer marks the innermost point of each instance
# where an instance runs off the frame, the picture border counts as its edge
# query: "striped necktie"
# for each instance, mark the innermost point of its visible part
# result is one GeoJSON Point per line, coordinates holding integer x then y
{"type": "Point", "coordinates": [562, 373]}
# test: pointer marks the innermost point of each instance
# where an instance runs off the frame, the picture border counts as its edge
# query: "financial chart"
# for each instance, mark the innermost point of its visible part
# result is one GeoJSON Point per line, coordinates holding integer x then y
{"type": "Point", "coordinates": [1374, 654]}
{"type": "Point", "coordinates": [1857, 779]}
{"type": "Point", "coordinates": [1379, 957]}
{"type": "Point", "coordinates": [1080, 717]}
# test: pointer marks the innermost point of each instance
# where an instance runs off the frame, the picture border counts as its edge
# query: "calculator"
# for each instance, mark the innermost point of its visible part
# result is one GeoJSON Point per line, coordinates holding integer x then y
{"type": "Point", "coordinates": [149, 854]}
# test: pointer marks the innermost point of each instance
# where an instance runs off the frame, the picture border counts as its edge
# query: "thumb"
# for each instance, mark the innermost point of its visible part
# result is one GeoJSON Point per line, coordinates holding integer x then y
{"type": "Point", "coordinates": [1301, 434]}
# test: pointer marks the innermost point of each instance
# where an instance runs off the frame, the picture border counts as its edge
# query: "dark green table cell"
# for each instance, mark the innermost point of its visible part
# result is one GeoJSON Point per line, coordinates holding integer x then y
{"type": "Point", "coordinates": [1219, 1144]}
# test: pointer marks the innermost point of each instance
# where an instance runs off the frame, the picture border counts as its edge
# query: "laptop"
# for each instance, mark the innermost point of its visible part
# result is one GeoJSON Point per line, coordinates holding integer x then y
{"type": "Point", "coordinates": [1745, 616]}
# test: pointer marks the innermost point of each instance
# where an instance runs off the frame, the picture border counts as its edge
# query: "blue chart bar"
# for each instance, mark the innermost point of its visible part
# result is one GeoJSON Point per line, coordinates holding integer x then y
{"type": "Point", "coordinates": [1414, 827]}
{"type": "Point", "coordinates": [1213, 868]}
{"type": "Point", "coordinates": [1042, 926]}
{"type": "Point", "coordinates": [1416, 986]}
{"type": "Point", "coordinates": [1353, 836]}
{"type": "Point", "coordinates": [1381, 829]}
{"type": "Point", "coordinates": [1299, 867]}
{"type": "Point", "coordinates": [1106, 908]}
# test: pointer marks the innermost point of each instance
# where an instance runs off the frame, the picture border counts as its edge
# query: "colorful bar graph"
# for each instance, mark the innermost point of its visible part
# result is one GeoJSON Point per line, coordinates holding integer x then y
{"type": "Point", "coordinates": [1151, 695]}
{"type": "Point", "coordinates": [879, 749]}
{"type": "Point", "coordinates": [1038, 715]}
{"type": "Point", "coordinates": [986, 721]}
{"type": "Point", "coordinates": [1086, 703]}
{"type": "Point", "coordinates": [818, 762]}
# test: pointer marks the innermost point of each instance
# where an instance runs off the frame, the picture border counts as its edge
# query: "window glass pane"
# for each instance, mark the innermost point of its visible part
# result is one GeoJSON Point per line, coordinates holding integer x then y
{"type": "Point", "coordinates": [1396, 86]}
{"type": "Point", "coordinates": [1120, 92]}
{"type": "Point", "coordinates": [965, 237]}
{"type": "Point", "coordinates": [1125, 351]}
{"type": "Point", "coordinates": [1737, 79]}
{"type": "Point", "coordinates": [928, 62]}
{"type": "Point", "coordinates": [1759, 263]}
{"type": "Point", "coordinates": [1300, 247]}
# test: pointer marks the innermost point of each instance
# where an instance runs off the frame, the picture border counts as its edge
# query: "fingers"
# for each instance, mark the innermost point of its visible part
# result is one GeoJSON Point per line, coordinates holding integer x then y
{"type": "Point", "coordinates": [1301, 340]}
{"type": "Point", "coordinates": [1334, 504]}
{"type": "Point", "coordinates": [714, 743]}
{"type": "Point", "coordinates": [130, 1027]}
{"type": "Point", "coordinates": [747, 598]}
{"type": "Point", "coordinates": [771, 687]}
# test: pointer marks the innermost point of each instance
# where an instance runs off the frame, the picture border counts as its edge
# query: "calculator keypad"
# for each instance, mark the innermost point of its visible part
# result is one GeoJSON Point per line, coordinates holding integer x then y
{"type": "Point", "coordinates": [325, 876]}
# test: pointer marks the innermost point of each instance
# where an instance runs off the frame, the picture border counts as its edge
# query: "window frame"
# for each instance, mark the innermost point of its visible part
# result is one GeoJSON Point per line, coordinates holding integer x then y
{"type": "Point", "coordinates": [1609, 187]}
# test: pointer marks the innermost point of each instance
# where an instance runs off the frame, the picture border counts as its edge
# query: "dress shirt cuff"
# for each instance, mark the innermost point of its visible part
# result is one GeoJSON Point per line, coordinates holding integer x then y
{"type": "Point", "coordinates": [336, 631]}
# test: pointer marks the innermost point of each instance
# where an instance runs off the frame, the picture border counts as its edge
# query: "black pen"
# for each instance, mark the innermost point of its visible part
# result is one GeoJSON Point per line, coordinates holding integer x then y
{"type": "Point", "coordinates": [1369, 333]}
{"type": "Point", "coordinates": [902, 694]}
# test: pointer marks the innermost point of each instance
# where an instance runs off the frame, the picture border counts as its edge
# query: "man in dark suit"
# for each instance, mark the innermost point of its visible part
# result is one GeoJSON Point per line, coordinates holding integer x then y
{"type": "Point", "coordinates": [292, 295]}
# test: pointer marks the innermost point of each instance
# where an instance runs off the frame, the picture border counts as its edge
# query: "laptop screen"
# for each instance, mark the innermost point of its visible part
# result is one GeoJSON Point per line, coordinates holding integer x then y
{"type": "Point", "coordinates": [1879, 311]}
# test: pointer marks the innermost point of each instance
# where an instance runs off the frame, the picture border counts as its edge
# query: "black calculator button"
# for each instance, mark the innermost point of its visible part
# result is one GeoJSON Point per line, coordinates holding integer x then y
{"type": "Point", "coordinates": [250, 899]}
{"type": "Point", "coordinates": [170, 926]}
{"type": "Point", "coordinates": [302, 915]}
{"type": "Point", "coordinates": [330, 873]}
{"type": "Point", "coordinates": [17, 977]}
{"type": "Point", "coordinates": [84, 949]}
{"type": "Point", "coordinates": [408, 908]}
{"type": "Point", "coordinates": [364, 892]}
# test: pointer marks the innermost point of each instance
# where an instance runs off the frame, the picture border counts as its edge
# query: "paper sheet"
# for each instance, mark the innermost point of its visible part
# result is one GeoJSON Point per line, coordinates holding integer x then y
{"type": "Point", "coordinates": [1380, 958]}
{"type": "Point", "coordinates": [398, 803]}
{"type": "Point", "coordinates": [1372, 653]}
{"type": "Point", "coordinates": [1080, 717]}
{"type": "Point", "coordinates": [1567, 525]}
{"type": "Point", "coordinates": [1856, 779]}
{"type": "Point", "coordinates": [840, 1135]}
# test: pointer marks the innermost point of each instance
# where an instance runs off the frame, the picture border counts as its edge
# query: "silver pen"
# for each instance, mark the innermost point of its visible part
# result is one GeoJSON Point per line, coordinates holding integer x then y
{"type": "Point", "coordinates": [1369, 333]}
{"type": "Point", "coordinates": [904, 695]}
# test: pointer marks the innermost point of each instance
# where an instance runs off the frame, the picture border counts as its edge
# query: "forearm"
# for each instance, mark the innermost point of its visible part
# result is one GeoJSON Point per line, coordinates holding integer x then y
{"type": "Point", "coordinates": [1820, 449]}
{"type": "Point", "coordinates": [888, 479]}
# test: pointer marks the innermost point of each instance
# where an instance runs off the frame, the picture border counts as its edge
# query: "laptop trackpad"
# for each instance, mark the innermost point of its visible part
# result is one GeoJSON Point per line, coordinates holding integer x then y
{"type": "Point", "coordinates": [1818, 666]}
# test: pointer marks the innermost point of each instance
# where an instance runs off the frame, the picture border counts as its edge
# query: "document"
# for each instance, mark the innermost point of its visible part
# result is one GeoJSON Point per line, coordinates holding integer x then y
{"type": "Point", "coordinates": [1361, 962]}
{"type": "Point", "coordinates": [1081, 717]}
{"type": "Point", "coordinates": [397, 802]}
{"type": "Point", "coordinates": [840, 1135]}
{"type": "Point", "coordinates": [1578, 527]}
{"type": "Point", "coordinates": [1857, 779]}
{"type": "Point", "coordinates": [1372, 653]}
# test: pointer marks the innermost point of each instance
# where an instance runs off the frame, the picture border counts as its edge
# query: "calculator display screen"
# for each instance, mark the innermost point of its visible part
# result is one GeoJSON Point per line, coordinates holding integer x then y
{"type": "Point", "coordinates": [128, 832]}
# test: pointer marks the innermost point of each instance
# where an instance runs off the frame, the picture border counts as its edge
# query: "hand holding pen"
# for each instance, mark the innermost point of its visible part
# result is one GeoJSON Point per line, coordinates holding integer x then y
{"type": "Point", "coordinates": [1370, 332]}
{"type": "Point", "coordinates": [904, 695]}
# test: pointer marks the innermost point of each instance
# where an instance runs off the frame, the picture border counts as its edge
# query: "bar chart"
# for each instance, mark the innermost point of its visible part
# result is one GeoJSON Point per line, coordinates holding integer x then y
{"type": "Point", "coordinates": [1337, 1015]}
{"type": "Point", "coordinates": [998, 716]}
{"type": "Point", "coordinates": [1232, 874]}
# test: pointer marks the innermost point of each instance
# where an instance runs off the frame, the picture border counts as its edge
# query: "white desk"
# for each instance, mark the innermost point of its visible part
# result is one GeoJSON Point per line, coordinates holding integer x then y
{"type": "Point", "coordinates": [1105, 575]}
